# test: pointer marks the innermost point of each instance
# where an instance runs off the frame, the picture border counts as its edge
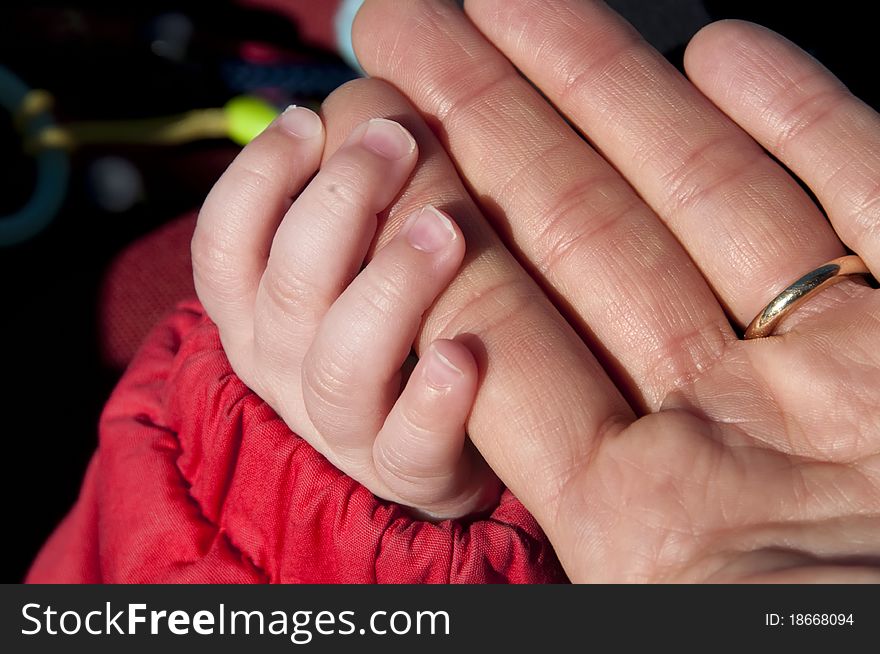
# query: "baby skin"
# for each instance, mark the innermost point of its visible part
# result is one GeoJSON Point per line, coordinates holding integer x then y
{"type": "Point", "coordinates": [323, 338]}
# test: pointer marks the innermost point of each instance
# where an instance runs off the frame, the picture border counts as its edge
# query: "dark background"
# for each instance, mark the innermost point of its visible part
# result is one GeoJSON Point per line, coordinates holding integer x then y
{"type": "Point", "coordinates": [98, 63]}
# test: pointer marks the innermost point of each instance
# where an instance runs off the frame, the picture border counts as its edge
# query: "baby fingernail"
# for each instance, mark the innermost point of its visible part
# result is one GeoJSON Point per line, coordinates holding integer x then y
{"type": "Point", "coordinates": [440, 372]}
{"type": "Point", "coordinates": [301, 122]}
{"type": "Point", "coordinates": [388, 139]}
{"type": "Point", "coordinates": [429, 230]}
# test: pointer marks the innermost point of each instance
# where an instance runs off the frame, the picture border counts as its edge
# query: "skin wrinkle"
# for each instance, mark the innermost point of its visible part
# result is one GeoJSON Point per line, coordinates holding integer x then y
{"type": "Point", "coordinates": [563, 237]}
{"type": "Point", "coordinates": [719, 566]}
{"type": "Point", "coordinates": [290, 288]}
{"type": "Point", "coordinates": [687, 191]}
{"type": "Point", "coordinates": [811, 369]}
{"type": "Point", "coordinates": [756, 462]}
{"type": "Point", "coordinates": [702, 357]}
{"type": "Point", "coordinates": [381, 296]}
{"type": "Point", "coordinates": [844, 495]}
{"type": "Point", "coordinates": [595, 193]}
{"type": "Point", "coordinates": [768, 392]}
{"type": "Point", "coordinates": [820, 157]}
{"type": "Point", "coordinates": [758, 537]}
{"type": "Point", "coordinates": [789, 122]}
{"type": "Point", "coordinates": [507, 186]}
{"type": "Point", "coordinates": [716, 193]}
{"type": "Point", "coordinates": [593, 527]}
{"type": "Point", "coordinates": [769, 440]}
{"type": "Point", "coordinates": [612, 64]}
{"type": "Point", "coordinates": [652, 133]}
{"type": "Point", "coordinates": [864, 209]}
{"type": "Point", "coordinates": [496, 76]}
{"type": "Point", "coordinates": [807, 113]}
{"type": "Point", "coordinates": [211, 264]}
{"type": "Point", "coordinates": [667, 326]}
{"type": "Point", "coordinates": [865, 403]}
{"type": "Point", "coordinates": [865, 222]}
{"type": "Point", "coordinates": [636, 464]}
{"type": "Point", "coordinates": [503, 302]}
{"type": "Point", "coordinates": [518, 344]}
{"type": "Point", "coordinates": [480, 98]}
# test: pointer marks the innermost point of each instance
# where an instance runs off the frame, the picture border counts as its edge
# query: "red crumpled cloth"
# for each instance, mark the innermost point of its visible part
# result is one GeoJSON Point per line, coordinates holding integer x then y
{"type": "Point", "coordinates": [196, 479]}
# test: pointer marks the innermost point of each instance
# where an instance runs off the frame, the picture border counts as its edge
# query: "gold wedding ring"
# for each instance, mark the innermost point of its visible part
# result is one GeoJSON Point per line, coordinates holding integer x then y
{"type": "Point", "coordinates": [814, 281]}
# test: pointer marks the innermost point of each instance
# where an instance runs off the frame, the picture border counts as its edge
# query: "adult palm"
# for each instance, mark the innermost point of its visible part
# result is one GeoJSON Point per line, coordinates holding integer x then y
{"type": "Point", "coordinates": [659, 234]}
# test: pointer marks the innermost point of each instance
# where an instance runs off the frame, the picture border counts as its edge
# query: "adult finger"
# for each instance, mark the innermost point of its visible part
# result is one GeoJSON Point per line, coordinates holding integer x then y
{"type": "Point", "coordinates": [804, 115]}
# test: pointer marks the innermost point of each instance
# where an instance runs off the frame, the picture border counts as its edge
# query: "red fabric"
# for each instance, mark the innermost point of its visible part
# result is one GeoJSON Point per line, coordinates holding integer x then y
{"type": "Point", "coordinates": [197, 480]}
{"type": "Point", "coordinates": [142, 285]}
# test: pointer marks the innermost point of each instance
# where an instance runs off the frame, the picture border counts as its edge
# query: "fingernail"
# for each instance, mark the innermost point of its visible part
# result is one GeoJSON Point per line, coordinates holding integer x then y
{"type": "Point", "coordinates": [429, 230]}
{"type": "Point", "coordinates": [301, 122]}
{"type": "Point", "coordinates": [388, 139]}
{"type": "Point", "coordinates": [439, 370]}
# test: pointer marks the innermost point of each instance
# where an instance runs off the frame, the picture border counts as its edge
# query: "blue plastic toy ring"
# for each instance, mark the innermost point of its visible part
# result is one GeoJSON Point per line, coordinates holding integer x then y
{"type": "Point", "coordinates": [53, 171]}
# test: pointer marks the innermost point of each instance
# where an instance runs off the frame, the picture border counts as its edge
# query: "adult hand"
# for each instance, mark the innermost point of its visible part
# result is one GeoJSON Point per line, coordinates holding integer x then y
{"type": "Point", "coordinates": [754, 460]}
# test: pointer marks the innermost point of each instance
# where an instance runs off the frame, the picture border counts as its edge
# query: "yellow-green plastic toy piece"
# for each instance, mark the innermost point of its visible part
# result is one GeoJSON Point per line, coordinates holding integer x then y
{"type": "Point", "coordinates": [247, 116]}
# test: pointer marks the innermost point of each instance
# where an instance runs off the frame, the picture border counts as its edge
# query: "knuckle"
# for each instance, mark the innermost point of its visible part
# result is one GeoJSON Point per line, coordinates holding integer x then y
{"type": "Point", "coordinates": [209, 258]}
{"type": "Point", "coordinates": [243, 186]}
{"type": "Point", "coordinates": [344, 188]}
{"type": "Point", "coordinates": [577, 74]}
{"type": "Point", "coordinates": [855, 194]}
{"type": "Point", "coordinates": [698, 180]}
{"type": "Point", "coordinates": [207, 254]}
{"type": "Point", "coordinates": [797, 110]}
{"type": "Point", "coordinates": [399, 468]}
{"type": "Point", "coordinates": [216, 271]}
{"type": "Point", "coordinates": [417, 423]}
{"type": "Point", "coordinates": [566, 235]}
{"type": "Point", "coordinates": [255, 178]}
{"type": "Point", "coordinates": [289, 291]}
{"type": "Point", "coordinates": [328, 387]}
{"type": "Point", "coordinates": [361, 91]}
{"type": "Point", "coordinates": [382, 297]}
{"type": "Point", "coordinates": [491, 308]}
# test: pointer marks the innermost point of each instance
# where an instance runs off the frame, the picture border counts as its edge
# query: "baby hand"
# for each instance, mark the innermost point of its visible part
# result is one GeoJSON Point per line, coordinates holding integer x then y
{"type": "Point", "coordinates": [276, 261]}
